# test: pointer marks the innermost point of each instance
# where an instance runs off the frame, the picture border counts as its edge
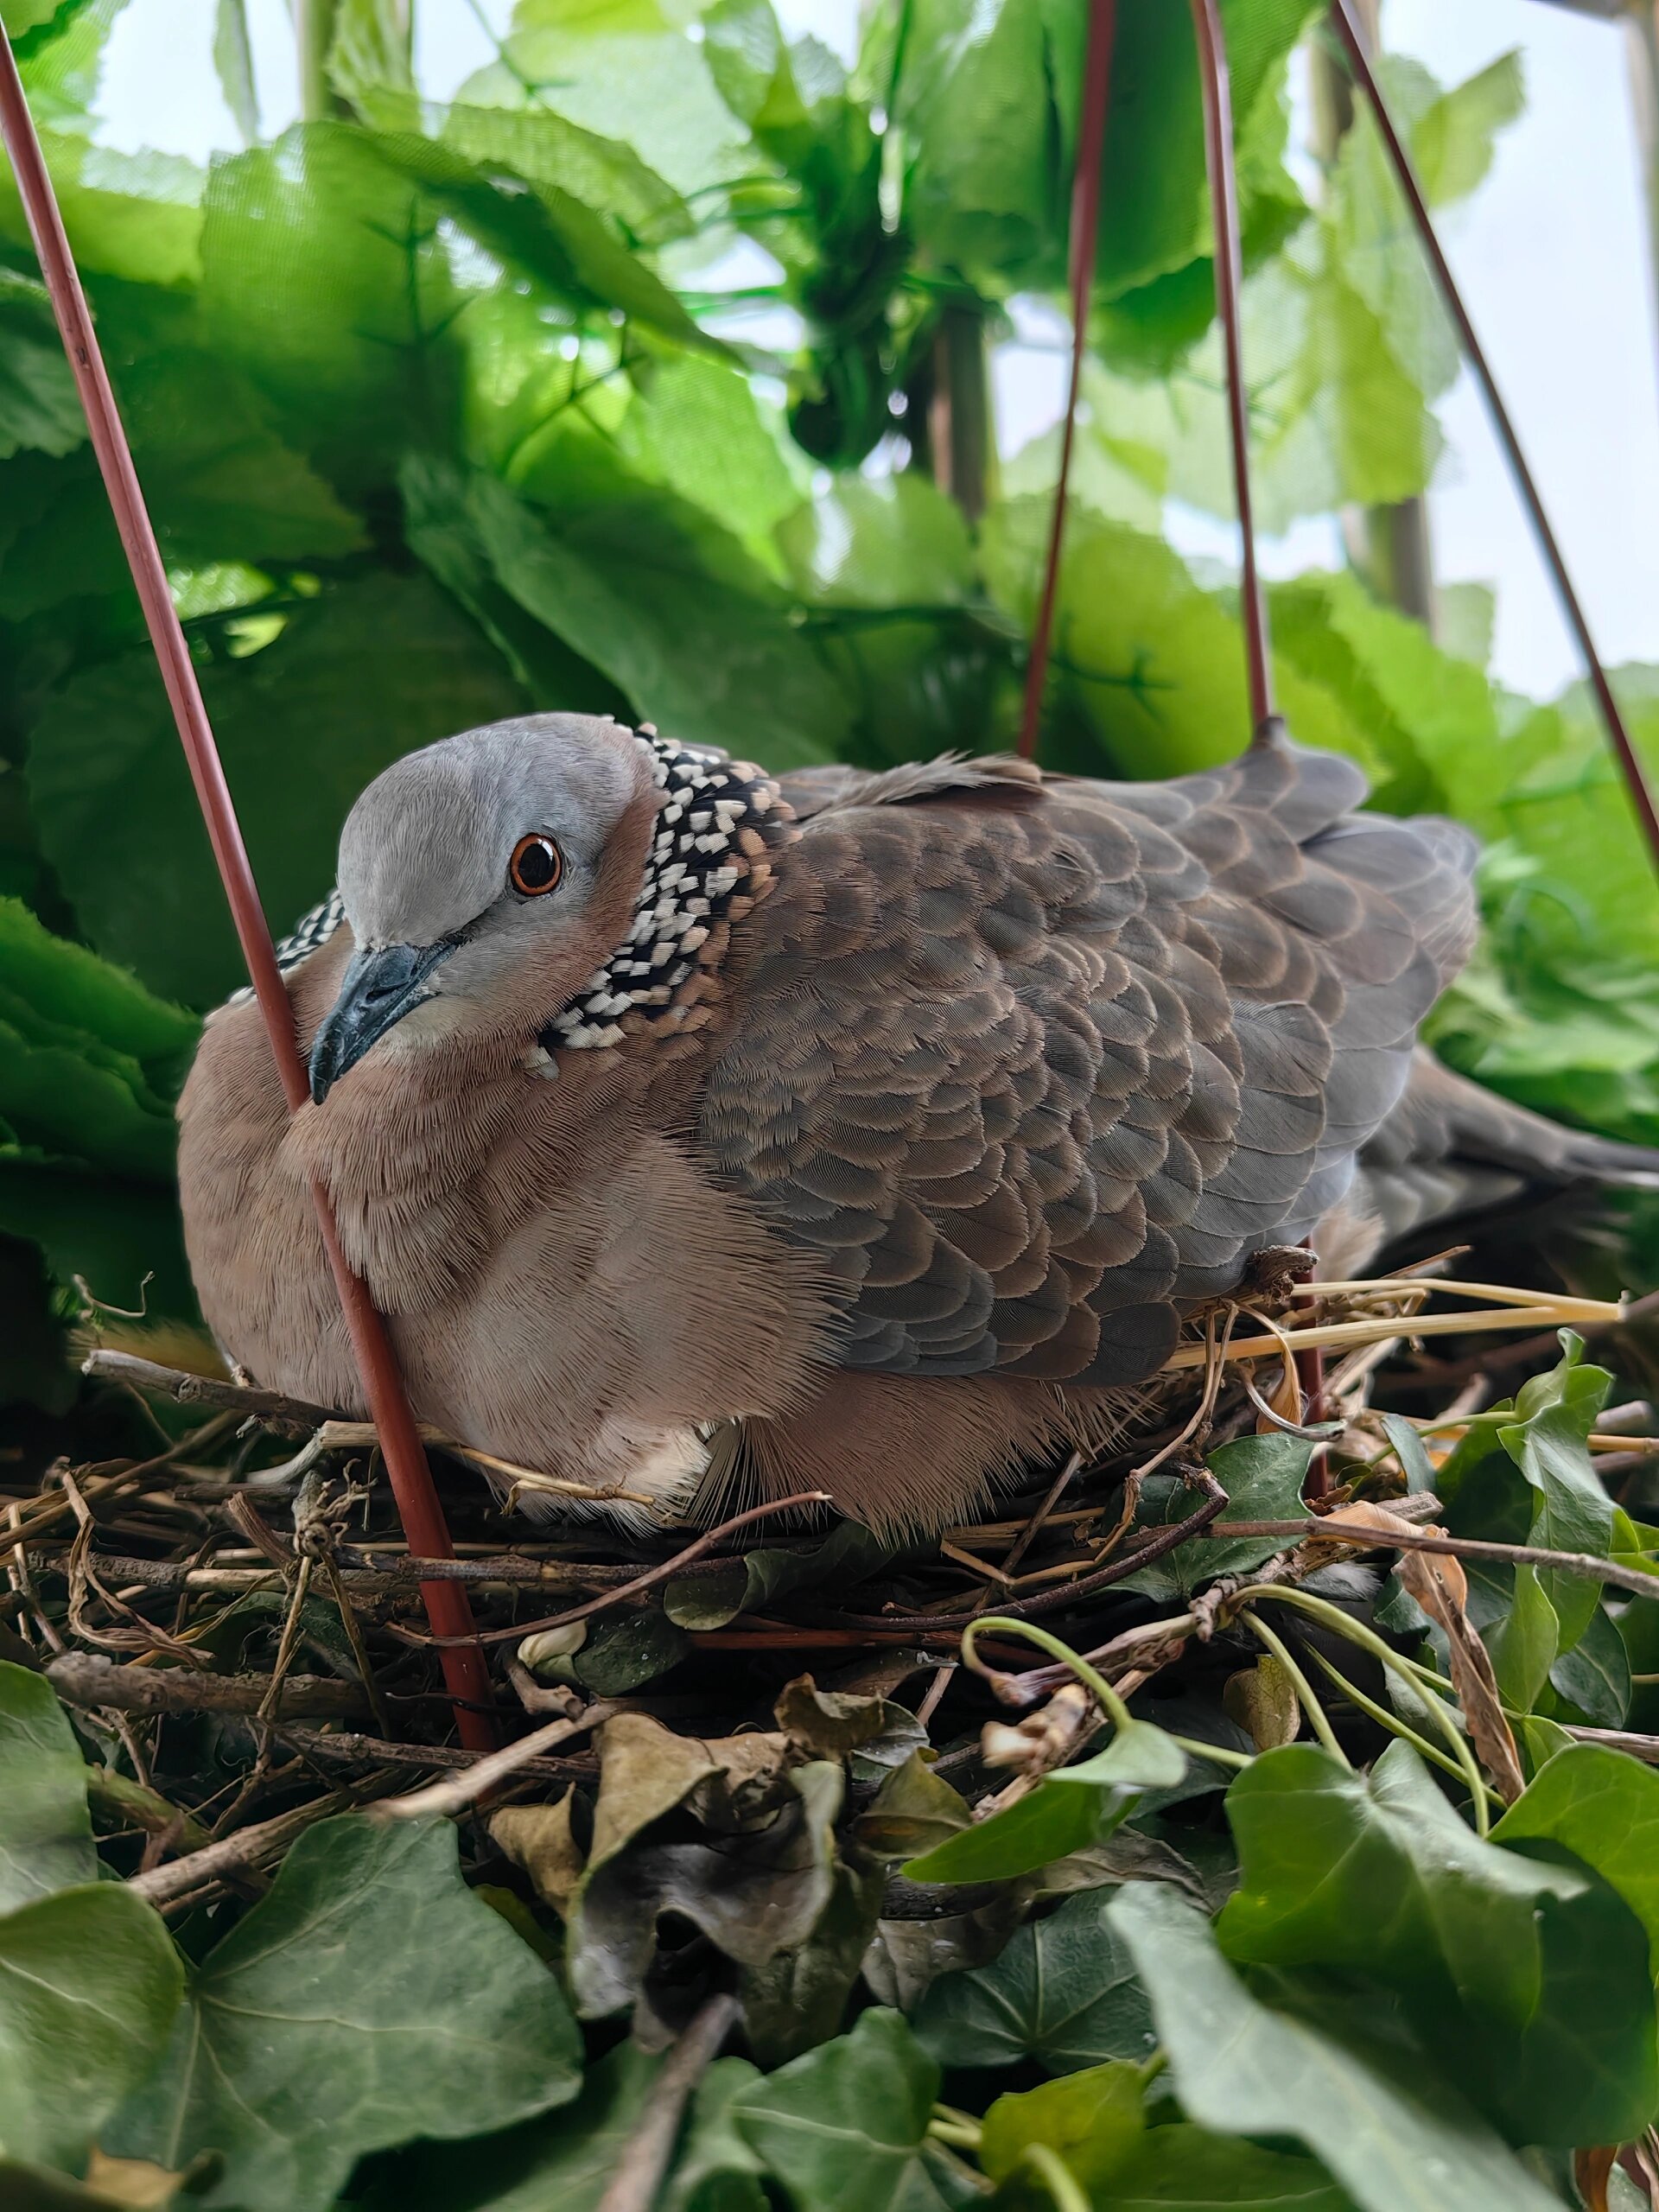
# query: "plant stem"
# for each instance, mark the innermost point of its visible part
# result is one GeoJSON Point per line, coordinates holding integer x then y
{"type": "Point", "coordinates": [1004, 1623]}
{"type": "Point", "coordinates": [1318, 1717]}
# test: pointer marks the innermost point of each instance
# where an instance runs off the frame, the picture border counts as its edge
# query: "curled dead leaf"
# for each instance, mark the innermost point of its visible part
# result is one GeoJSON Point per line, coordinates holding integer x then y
{"type": "Point", "coordinates": [1263, 1700]}
{"type": "Point", "coordinates": [1437, 1581]}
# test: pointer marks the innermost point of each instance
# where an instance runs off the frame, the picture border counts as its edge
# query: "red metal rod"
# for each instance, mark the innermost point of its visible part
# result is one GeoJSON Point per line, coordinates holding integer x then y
{"type": "Point", "coordinates": [465, 1669]}
{"type": "Point", "coordinates": [1642, 798]}
{"type": "Point", "coordinates": [1085, 228]}
{"type": "Point", "coordinates": [1229, 277]}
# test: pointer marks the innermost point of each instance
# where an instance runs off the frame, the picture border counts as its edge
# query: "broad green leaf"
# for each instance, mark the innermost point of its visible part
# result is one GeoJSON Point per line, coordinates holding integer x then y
{"type": "Point", "coordinates": [322, 279]}
{"type": "Point", "coordinates": [89, 1984]}
{"type": "Point", "coordinates": [365, 672]}
{"type": "Point", "coordinates": [1068, 1810]}
{"type": "Point", "coordinates": [696, 428]}
{"type": "Point", "coordinates": [123, 1238]}
{"type": "Point", "coordinates": [234, 61]}
{"type": "Point", "coordinates": [1594, 1676]}
{"type": "Point", "coordinates": [705, 1601]}
{"type": "Point", "coordinates": [77, 1099]}
{"type": "Point", "coordinates": [624, 76]}
{"type": "Point", "coordinates": [564, 2158]}
{"type": "Point", "coordinates": [1262, 1476]}
{"type": "Point", "coordinates": [1526, 1980]}
{"type": "Point", "coordinates": [1604, 1808]}
{"type": "Point", "coordinates": [845, 2125]}
{"type": "Point", "coordinates": [1574, 1512]}
{"type": "Point", "coordinates": [1093, 2119]}
{"type": "Point", "coordinates": [39, 406]}
{"type": "Point", "coordinates": [545, 232]}
{"type": "Point", "coordinates": [1392, 2137]}
{"type": "Point", "coordinates": [1181, 2168]}
{"type": "Point", "coordinates": [45, 1832]}
{"type": "Point", "coordinates": [1454, 141]}
{"type": "Point", "coordinates": [318, 2029]}
{"type": "Point", "coordinates": [888, 541]}
{"type": "Point", "coordinates": [632, 583]}
{"type": "Point", "coordinates": [1523, 1644]}
{"type": "Point", "coordinates": [1062, 1992]}
{"type": "Point", "coordinates": [65, 981]}
{"type": "Point", "coordinates": [137, 216]}
{"type": "Point", "coordinates": [717, 2171]}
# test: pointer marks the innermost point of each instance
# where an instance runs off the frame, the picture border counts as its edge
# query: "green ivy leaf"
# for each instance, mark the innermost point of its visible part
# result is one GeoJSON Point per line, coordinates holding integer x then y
{"type": "Point", "coordinates": [1062, 1992]}
{"type": "Point", "coordinates": [1392, 2135]}
{"type": "Point", "coordinates": [45, 1832]}
{"type": "Point", "coordinates": [1068, 1811]}
{"type": "Point", "coordinates": [846, 2123]}
{"type": "Point", "coordinates": [318, 2029]}
{"type": "Point", "coordinates": [1093, 2119]}
{"type": "Point", "coordinates": [89, 1984]}
{"type": "Point", "coordinates": [1180, 2168]}
{"type": "Point", "coordinates": [564, 2158]}
{"type": "Point", "coordinates": [1594, 1676]}
{"type": "Point", "coordinates": [1523, 1644]}
{"type": "Point", "coordinates": [1262, 1476]}
{"type": "Point", "coordinates": [1604, 1808]}
{"type": "Point", "coordinates": [1524, 1979]}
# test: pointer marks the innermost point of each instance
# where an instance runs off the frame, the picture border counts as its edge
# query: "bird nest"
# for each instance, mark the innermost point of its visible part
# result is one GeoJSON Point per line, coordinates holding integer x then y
{"type": "Point", "coordinates": [239, 1627]}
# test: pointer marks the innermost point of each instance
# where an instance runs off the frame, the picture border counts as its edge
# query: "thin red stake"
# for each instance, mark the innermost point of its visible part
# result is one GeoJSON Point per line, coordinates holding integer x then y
{"type": "Point", "coordinates": [1229, 277]}
{"type": "Point", "coordinates": [1085, 228]}
{"type": "Point", "coordinates": [465, 1670]}
{"type": "Point", "coordinates": [1221, 168]}
{"type": "Point", "coordinates": [1636, 779]}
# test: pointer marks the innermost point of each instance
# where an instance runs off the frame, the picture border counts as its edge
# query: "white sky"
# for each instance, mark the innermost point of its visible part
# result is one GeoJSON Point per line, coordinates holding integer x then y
{"type": "Point", "coordinates": [1553, 255]}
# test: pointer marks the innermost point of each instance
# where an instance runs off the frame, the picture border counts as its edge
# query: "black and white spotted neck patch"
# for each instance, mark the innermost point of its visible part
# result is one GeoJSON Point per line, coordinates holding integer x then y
{"type": "Point", "coordinates": [717, 821]}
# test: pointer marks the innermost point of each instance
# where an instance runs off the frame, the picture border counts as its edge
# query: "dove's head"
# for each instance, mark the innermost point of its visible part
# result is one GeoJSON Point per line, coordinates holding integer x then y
{"type": "Point", "coordinates": [558, 879]}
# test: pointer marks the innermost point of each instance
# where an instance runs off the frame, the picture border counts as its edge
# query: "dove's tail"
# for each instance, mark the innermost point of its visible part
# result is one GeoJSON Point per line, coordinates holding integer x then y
{"type": "Point", "coordinates": [1451, 1147]}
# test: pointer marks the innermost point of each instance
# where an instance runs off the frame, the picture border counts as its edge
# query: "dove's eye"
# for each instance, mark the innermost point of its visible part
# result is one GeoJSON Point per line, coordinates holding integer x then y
{"type": "Point", "coordinates": [536, 866]}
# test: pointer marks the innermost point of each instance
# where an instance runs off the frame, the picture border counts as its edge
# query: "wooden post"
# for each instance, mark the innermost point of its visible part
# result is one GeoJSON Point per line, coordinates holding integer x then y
{"type": "Point", "coordinates": [1388, 546]}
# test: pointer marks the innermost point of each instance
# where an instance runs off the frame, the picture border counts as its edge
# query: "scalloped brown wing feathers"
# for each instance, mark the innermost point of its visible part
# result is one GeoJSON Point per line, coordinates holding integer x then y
{"type": "Point", "coordinates": [1029, 1064]}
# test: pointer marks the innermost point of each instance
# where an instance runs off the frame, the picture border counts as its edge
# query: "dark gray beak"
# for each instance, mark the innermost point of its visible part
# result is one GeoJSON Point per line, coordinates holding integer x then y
{"type": "Point", "coordinates": [378, 989]}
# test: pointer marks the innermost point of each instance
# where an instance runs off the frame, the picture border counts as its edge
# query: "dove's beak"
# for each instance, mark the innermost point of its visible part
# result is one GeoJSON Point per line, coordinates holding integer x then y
{"type": "Point", "coordinates": [378, 989]}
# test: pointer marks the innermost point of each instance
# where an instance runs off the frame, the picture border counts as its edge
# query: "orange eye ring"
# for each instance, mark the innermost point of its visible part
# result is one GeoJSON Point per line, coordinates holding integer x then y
{"type": "Point", "coordinates": [536, 865]}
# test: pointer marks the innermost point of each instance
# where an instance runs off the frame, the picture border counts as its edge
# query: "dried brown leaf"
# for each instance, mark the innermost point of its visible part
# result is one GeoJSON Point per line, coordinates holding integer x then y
{"type": "Point", "coordinates": [538, 1840]}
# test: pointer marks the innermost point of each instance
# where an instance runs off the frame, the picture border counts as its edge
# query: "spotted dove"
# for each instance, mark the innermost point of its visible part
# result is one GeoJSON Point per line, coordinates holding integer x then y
{"type": "Point", "coordinates": [703, 1132]}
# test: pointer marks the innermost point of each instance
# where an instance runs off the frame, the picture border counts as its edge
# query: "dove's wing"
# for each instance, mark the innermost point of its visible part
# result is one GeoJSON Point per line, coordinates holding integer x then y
{"type": "Point", "coordinates": [1031, 1065]}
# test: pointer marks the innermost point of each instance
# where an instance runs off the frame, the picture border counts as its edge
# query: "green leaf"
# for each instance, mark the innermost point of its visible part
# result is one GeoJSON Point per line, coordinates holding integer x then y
{"type": "Point", "coordinates": [39, 406]}
{"type": "Point", "coordinates": [138, 216]}
{"type": "Point", "coordinates": [695, 429]}
{"type": "Point", "coordinates": [323, 281]}
{"type": "Point", "coordinates": [45, 1832]}
{"type": "Point", "coordinates": [124, 1238]}
{"type": "Point", "coordinates": [705, 1601]}
{"type": "Point", "coordinates": [1604, 1808]}
{"type": "Point", "coordinates": [233, 62]}
{"type": "Point", "coordinates": [89, 1984]}
{"type": "Point", "coordinates": [887, 542]}
{"type": "Point", "coordinates": [1185, 2168]}
{"type": "Point", "coordinates": [625, 75]}
{"type": "Point", "coordinates": [717, 2171]}
{"type": "Point", "coordinates": [1453, 142]}
{"type": "Point", "coordinates": [631, 584]}
{"type": "Point", "coordinates": [1064, 1992]}
{"type": "Point", "coordinates": [1262, 1476]}
{"type": "Point", "coordinates": [1594, 1676]}
{"type": "Point", "coordinates": [564, 2158]}
{"type": "Point", "coordinates": [545, 232]}
{"type": "Point", "coordinates": [1093, 2119]}
{"type": "Point", "coordinates": [845, 2124]}
{"type": "Point", "coordinates": [1067, 1811]}
{"type": "Point", "coordinates": [66, 981]}
{"type": "Point", "coordinates": [1524, 1643]}
{"type": "Point", "coordinates": [1573, 1512]}
{"type": "Point", "coordinates": [1391, 2138]}
{"type": "Point", "coordinates": [1523, 1978]}
{"type": "Point", "coordinates": [318, 2029]}
{"type": "Point", "coordinates": [297, 748]}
